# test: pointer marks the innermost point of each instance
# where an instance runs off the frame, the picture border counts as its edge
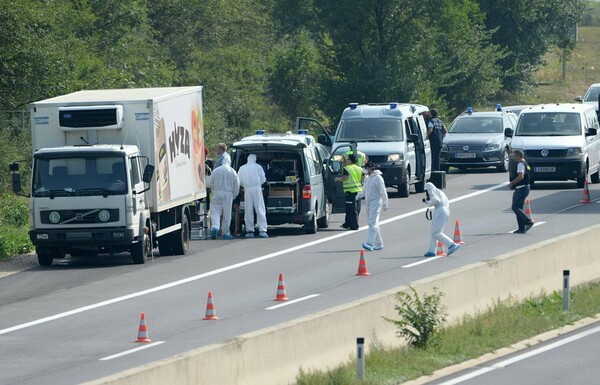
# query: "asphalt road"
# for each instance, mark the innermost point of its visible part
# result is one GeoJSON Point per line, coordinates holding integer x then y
{"type": "Point", "coordinates": [569, 359]}
{"type": "Point", "coordinates": [65, 323]}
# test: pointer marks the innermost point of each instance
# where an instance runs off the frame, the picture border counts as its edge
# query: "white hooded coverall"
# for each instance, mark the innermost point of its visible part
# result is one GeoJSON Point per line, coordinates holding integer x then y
{"type": "Point", "coordinates": [252, 177]}
{"type": "Point", "coordinates": [376, 198]}
{"type": "Point", "coordinates": [225, 185]}
{"type": "Point", "coordinates": [441, 213]}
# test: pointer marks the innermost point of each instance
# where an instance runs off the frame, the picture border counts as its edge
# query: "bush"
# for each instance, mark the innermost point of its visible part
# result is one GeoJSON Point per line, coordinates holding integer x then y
{"type": "Point", "coordinates": [14, 220]}
{"type": "Point", "coordinates": [421, 318]}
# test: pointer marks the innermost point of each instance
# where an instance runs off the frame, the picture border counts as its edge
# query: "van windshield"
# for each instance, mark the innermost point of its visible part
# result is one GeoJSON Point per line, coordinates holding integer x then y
{"type": "Point", "coordinates": [77, 176]}
{"type": "Point", "coordinates": [592, 95]}
{"type": "Point", "coordinates": [476, 125]}
{"type": "Point", "coordinates": [370, 130]}
{"type": "Point", "coordinates": [549, 124]}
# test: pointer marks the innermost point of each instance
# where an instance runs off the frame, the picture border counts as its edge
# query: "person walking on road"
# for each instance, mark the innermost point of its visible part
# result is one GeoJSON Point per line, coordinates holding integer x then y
{"type": "Point", "coordinates": [436, 199]}
{"type": "Point", "coordinates": [375, 194]}
{"type": "Point", "coordinates": [252, 177]}
{"type": "Point", "coordinates": [225, 185]}
{"type": "Point", "coordinates": [352, 184]}
{"type": "Point", "coordinates": [436, 130]}
{"type": "Point", "coordinates": [222, 155]}
{"type": "Point", "coordinates": [520, 183]}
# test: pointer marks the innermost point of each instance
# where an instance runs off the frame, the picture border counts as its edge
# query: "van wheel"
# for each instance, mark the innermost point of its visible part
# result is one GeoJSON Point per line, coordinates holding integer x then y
{"type": "Point", "coordinates": [595, 177]}
{"type": "Point", "coordinates": [404, 186]}
{"type": "Point", "coordinates": [141, 250]}
{"type": "Point", "coordinates": [180, 240]}
{"type": "Point", "coordinates": [310, 227]}
{"type": "Point", "coordinates": [505, 160]}
{"type": "Point", "coordinates": [323, 222]}
{"type": "Point", "coordinates": [44, 255]}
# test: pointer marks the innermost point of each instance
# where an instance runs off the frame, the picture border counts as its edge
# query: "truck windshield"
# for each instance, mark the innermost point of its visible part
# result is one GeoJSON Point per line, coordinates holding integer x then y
{"type": "Point", "coordinates": [77, 176]}
{"type": "Point", "coordinates": [549, 124]}
{"type": "Point", "coordinates": [476, 125]}
{"type": "Point", "coordinates": [592, 95]}
{"type": "Point", "coordinates": [369, 130]}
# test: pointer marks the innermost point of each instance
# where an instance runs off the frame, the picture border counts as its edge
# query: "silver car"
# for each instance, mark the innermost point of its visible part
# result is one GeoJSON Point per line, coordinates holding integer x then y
{"type": "Point", "coordinates": [476, 139]}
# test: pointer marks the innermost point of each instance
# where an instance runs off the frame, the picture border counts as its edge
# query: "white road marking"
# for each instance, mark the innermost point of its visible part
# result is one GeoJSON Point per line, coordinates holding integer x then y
{"type": "Point", "coordinates": [428, 259]}
{"type": "Point", "coordinates": [126, 352]}
{"type": "Point", "coordinates": [534, 225]}
{"type": "Point", "coordinates": [292, 301]}
{"type": "Point", "coordinates": [523, 356]}
{"type": "Point", "coordinates": [227, 268]}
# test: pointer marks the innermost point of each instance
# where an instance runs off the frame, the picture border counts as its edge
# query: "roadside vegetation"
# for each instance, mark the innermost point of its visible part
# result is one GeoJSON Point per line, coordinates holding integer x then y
{"type": "Point", "coordinates": [501, 325]}
{"type": "Point", "coordinates": [14, 223]}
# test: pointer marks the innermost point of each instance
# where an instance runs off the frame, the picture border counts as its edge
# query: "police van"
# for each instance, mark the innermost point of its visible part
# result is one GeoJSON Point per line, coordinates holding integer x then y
{"type": "Point", "coordinates": [393, 136]}
{"type": "Point", "coordinates": [296, 178]}
{"type": "Point", "coordinates": [560, 142]}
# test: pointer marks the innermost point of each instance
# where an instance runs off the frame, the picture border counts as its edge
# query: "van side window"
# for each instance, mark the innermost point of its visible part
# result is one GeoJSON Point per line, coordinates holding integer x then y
{"type": "Point", "coordinates": [414, 127]}
{"type": "Point", "coordinates": [591, 120]}
{"type": "Point", "coordinates": [407, 128]}
{"type": "Point", "coordinates": [310, 161]}
{"type": "Point", "coordinates": [422, 127]}
{"type": "Point", "coordinates": [135, 172]}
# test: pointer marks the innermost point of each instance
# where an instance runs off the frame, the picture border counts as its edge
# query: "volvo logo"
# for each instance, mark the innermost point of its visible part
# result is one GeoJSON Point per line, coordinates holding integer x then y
{"type": "Point", "coordinates": [544, 153]}
{"type": "Point", "coordinates": [466, 148]}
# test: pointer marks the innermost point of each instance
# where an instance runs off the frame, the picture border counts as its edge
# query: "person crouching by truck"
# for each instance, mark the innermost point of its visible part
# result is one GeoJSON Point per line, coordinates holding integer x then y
{"type": "Point", "coordinates": [375, 194]}
{"type": "Point", "coordinates": [352, 184]}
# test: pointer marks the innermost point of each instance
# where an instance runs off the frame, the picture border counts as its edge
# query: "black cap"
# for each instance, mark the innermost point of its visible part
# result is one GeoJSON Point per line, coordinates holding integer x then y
{"type": "Point", "coordinates": [370, 165]}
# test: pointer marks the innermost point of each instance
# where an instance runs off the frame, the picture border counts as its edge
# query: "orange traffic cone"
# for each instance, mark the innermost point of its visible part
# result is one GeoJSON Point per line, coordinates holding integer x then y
{"type": "Point", "coordinates": [440, 249]}
{"type": "Point", "coordinates": [457, 234]}
{"type": "Point", "coordinates": [527, 210]}
{"type": "Point", "coordinates": [362, 265]}
{"type": "Point", "coordinates": [143, 330]}
{"type": "Point", "coordinates": [211, 315]}
{"type": "Point", "coordinates": [586, 193]}
{"type": "Point", "coordinates": [281, 296]}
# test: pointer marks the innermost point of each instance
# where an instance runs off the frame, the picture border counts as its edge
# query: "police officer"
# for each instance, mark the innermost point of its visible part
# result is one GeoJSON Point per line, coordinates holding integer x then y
{"type": "Point", "coordinates": [521, 185]}
{"type": "Point", "coordinates": [352, 183]}
{"type": "Point", "coordinates": [361, 157]}
{"type": "Point", "coordinates": [436, 130]}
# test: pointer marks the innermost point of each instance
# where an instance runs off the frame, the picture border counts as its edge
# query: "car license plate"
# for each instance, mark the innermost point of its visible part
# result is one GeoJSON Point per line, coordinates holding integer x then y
{"type": "Point", "coordinates": [544, 169]}
{"type": "Point", "coordinates": [465, 155]}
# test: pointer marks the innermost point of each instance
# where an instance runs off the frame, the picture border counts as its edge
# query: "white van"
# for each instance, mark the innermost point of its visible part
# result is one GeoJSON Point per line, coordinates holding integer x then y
{"type": "Point", "coordinates": [393, 136]}
{"type": "Point", "coordinates": [560, 142]}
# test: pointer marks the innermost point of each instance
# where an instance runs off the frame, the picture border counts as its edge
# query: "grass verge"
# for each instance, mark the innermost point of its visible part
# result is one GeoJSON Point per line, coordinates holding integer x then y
{"type": "Point", "coordinates": [14, 218]}
{"type": "Point", "coordinates": [499, 326]}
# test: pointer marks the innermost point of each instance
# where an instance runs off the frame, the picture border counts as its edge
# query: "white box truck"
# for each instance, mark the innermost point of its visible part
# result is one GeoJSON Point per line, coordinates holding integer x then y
{"type": "Point", "coordinates": [116, 170]}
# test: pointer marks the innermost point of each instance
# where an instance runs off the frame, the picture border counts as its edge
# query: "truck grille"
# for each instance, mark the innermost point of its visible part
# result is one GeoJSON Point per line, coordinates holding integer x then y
{"type": "Point", "coordinates": [76, 217]}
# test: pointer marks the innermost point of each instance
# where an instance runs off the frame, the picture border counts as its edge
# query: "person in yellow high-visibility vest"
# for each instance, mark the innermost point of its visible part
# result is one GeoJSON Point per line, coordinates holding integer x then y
{"type": "Point", "coordinates": [352, 182]}
{"type": "Point", "coordinates": [361, 157]}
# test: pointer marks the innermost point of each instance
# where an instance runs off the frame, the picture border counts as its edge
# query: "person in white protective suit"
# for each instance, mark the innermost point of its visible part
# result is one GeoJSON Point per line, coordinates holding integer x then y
{"type": "Point", "coordinates": [252, 177]}
{"type": "Point", "coordinates": [436, 199]}
{"type": "Point", "coordinates": [225, 185]}
{"type": "Point", "coordinates": [375, 194]}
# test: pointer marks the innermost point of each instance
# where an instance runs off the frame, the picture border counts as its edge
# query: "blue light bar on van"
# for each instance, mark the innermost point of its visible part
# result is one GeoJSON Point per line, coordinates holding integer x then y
{"type": "Point", "coordinates": [393, 105]}
{"type": "Point", "coordinates": [469, 110]}
{"type": "Point", "coordinates": [303, 132]}
{"type": "Point", "coordinates": [498, 107]}
{"type": "Point", "coordinates": [260, 132]}
{"type": "Point", "coordinates": [353, 106]}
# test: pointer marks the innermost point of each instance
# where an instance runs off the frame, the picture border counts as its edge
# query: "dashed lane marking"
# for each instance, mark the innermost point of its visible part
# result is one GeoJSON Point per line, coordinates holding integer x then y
{"type": "Point", "coordinates": [292, 301]}
{"type": "Point", "coordinates": [130, 351]}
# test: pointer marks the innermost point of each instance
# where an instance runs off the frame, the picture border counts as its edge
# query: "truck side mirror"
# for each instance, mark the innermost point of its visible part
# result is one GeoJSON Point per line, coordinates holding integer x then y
{"type": "Point", "coordinates": [148, 173]}
{"type": "Point", "coordinates": [591, 132]}
{"type": "Point", "coordinates": [16, 182]}
{"type": "Point", "coordinates": [508, 132]}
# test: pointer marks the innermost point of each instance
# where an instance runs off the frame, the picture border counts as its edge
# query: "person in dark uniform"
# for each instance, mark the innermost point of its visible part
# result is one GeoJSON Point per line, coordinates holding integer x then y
{"type": "Point", "coordinates": [436, 130]}
{"type": "Point", "coordinates": [520, 183]}
{"type": "Point", "coordinates": [352, 182]}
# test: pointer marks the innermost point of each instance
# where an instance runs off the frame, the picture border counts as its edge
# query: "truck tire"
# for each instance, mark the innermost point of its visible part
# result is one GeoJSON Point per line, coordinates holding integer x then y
{"type": "Point", "coordinates": [165, 247]}
{"type": "Point", "coordinates": [141, 250]}
{"type": "Point", "coordinates": [404, 186]}
{"type": "Point", "coordinates": [44, 254]}
{"type": "Point", "coordinates": [180, 240]}
{"type": "Point", "coordinates": [323, 222]}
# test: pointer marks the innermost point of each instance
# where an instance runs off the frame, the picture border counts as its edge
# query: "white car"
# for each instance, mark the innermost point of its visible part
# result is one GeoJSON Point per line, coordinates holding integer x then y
{"type": "Point", "coordinates": [591, 96]}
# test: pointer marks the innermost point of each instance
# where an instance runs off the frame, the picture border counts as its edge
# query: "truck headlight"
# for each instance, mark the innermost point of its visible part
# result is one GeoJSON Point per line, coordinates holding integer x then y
{"type": "Point", "coordinates": [395, 157]}
{"type": "Point", "coordinates": [574, 151]}
{"type": "Point", "coordinates": [492, 147]}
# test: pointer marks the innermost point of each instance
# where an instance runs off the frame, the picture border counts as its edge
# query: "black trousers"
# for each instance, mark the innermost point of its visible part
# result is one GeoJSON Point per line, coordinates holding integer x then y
{"type": "Point", "coordinates": [435, 158]}
{"type": "Point", "coordinates": [518, 200]}
{"type": "Point", "coordinates": [352, 210]}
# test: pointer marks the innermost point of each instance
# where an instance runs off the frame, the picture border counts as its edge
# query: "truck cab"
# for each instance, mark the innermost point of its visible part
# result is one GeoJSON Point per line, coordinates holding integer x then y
{"type": "Point", "coordinates": [394, 138]}
{"type": "Point", "coordinates": [295, 191]}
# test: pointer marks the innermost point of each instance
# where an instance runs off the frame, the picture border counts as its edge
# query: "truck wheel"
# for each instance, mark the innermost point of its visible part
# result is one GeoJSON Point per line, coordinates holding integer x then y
{"type": "Point", "coordinates": [164, 245]}
{"type": "Point", "coordinates": [310, 227]}
{"type": "Point", "coordinates": [141, 250]}
{"type": "Point", "coordinates": [404, 186]}
{"type": "Point", "coordinates": [44, 255]}
{"type": "Point", "coordinates": [323, 222]}
{"type": "Point", "coordinates": [595, 177]}
{"type": "Point", "coordinates": [180, 240]}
